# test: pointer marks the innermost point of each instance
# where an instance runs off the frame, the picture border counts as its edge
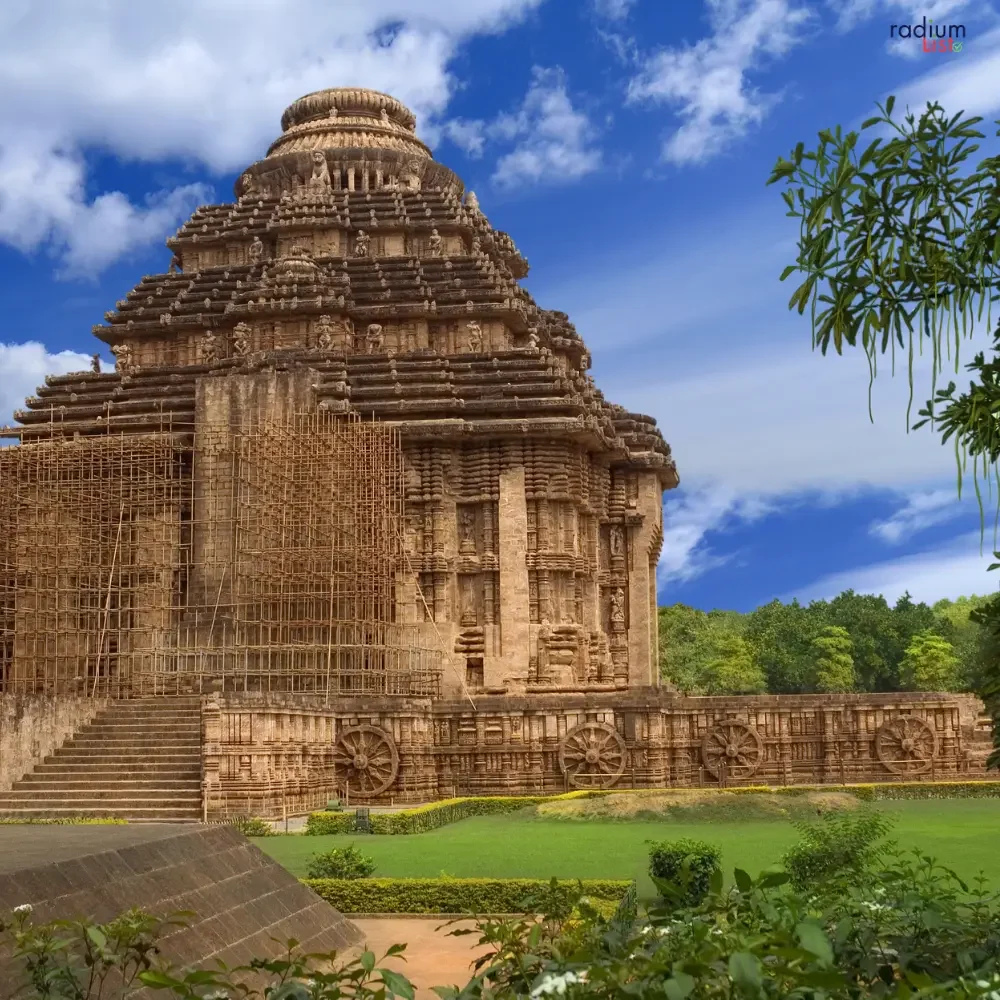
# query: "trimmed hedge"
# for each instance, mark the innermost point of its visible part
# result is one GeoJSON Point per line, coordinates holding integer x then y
{"type": "Point", "coordinates": [461, 895]}
{"type": "Point", "coordinates": [437, 814]}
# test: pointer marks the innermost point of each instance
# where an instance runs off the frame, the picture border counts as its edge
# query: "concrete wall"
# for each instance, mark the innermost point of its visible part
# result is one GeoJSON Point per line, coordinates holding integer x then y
{"type": "Point", "coordinates": [33, 726]}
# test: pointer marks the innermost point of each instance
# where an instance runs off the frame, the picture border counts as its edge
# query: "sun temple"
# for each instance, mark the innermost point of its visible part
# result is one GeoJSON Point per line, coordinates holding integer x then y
{"type": "Point", "coordinates": [350, 516]}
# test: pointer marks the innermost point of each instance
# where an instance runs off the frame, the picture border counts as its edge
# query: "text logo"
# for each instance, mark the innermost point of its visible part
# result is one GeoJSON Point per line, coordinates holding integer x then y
{"type": "Point", "coordinates": [934, 37]}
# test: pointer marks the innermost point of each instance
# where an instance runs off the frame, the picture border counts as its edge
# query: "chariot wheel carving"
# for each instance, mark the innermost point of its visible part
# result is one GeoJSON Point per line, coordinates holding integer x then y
{"type": "Point", "coordinates": [592, 755]}
{"type": "Point", "coordinates": [735, 746]}
{"type": "Point", "coordinates": [367, 760]}
{"type": "Point", "coordinates": [905, 745]}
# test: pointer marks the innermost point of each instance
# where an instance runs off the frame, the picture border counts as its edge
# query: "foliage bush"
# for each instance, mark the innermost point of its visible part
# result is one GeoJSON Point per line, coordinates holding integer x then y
{"type": "Point", "coordinates": [464, 895]}
{"type": "Point", "coordinates": [840, 846]}
{"type": "Point", "coordinates": [321, 824]}
{"type": "Point", "coordinates": [341, 863]}
{"type": "Point", "coordinates": [251, 826]}
{"type": "Point", "coordinates": [682, 870]}
{"type": "Point", "coordinates": [79, 960]}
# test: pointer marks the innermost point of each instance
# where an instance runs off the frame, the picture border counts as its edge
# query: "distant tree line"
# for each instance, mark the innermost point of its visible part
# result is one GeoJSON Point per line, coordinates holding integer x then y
{"type": "Point", "coordinates": [855, 642]}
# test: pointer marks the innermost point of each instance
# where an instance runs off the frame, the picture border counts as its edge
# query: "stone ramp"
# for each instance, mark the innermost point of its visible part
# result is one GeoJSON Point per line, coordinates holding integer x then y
{"type": "Point", "coordinates": [242, 899]}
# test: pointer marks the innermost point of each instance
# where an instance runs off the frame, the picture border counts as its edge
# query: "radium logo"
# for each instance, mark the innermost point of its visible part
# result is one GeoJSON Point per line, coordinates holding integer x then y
{"type": "Point", "coordinates": [934, 37]}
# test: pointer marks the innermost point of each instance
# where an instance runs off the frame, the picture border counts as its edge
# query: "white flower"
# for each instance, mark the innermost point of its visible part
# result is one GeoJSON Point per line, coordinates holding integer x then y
{"type": "Point", "coordinates": [217, 995]}
{"type": "Point", "coordinates": [23, 910]}
{"type": "Point", "coordinates": [553, 984]}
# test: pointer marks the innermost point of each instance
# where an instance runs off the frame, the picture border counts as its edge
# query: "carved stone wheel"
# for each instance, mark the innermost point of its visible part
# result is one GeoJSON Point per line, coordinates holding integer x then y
{"type": "Point", "coordinates": [735, 745]}
{"type": "Point", "coordinates": [366, 757]}
{"type": "Point", "coordinates": [592, 755]}
{"type": "Point", "coordinates": [905, 745]}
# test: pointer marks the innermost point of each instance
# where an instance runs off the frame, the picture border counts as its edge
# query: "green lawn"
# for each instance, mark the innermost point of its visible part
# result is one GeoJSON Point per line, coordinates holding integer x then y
{"type": "Point", "coordinates": [960, 833]}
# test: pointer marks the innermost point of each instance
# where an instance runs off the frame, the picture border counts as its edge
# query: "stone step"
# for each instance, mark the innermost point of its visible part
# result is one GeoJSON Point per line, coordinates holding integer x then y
{"type": "Point", "coordinates": [48, 784]}
{"type": "Point", "coordinates": [138, 742]}
{"type": "Point", "coordinates": [132, 731]}
{"type": "Point", "coordinates": [150, 814]}
{"type": "Point", "coordinates": [103, 772]}
{"type": "Point", "coordinates": [97, 756]}
{"type": "Point", "coordinates": [87, 798]}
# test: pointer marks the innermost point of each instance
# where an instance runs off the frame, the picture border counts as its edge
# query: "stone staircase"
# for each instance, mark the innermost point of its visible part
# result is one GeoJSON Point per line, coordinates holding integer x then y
{"type": "Point", "coordinates": [137, 760]}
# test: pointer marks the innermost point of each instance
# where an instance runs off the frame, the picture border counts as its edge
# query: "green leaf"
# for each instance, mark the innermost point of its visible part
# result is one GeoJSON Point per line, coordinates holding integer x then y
{"type": "Point", "coordinates": [814, 940]}
{"type": "Point", "coordinates": [743, 881]}
{"type": "Point", "coordinates": [679, 986]}
{"type": "Point", "coordinates": [770, 880]}
{"type": "Point", "coordinates": [869, 122]}
{"type": "Point", "coordinates": [97, 936]}
{"type": "Point", "coordinates": [397, 984]}
{"type": "Point", "coordinates": [744, 969]}
{"type": "Point", "coordinates": [368, 961]}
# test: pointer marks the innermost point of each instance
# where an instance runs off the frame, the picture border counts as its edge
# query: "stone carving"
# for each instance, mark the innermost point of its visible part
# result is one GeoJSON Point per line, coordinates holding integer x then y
{"type": "Point", "coordinates": [618, 608]}
{"type": "Point", "coordinates": [123, 358]}
{"type": "Point", "coordinates": [362, 243]}
{"type": "Point", "coordinates": [256, 251]}
{"type": "Point", "coordinates": [435, 243]}
{"type": "Point", "coordinates": [241, 340]}
{"type": "Point", "coordinates": [410, 177]}
{"type": "Point", "coordinates": [616, 540]}
{"type": "Point", "coordinates": [532, 339]}
{"type": "Point", "coordinates": [319, 181]}
{"type": "Point", "coordinates": [366, 759]}
{"type": "Point", "coordinates": [175, 265]}
{"type": "Point", "coordinates": [466, 529]}
{"type": "Point", "coordinates": [472, 203]}
{"type": "Point", "coordinates": [384, 115]}
{"type": "Point", "coordinates": [208, 348]}
{"type": "Point", "coordinates": [905, 745]}
{"type": "Point", "coordinates": [95, 364]}
{"type": "Point", "coordinates": [325, 333]}
{"type": "Point", "coordinates": [732, 750]}
{"type": "Point", "coordinates": [374, 338]}
{"type": "Point", "coordinates": [248, 184]}
{"type": "Point", "coordinates": [475, 336]}
{"type": "Point", "coordinates": [592, 755]}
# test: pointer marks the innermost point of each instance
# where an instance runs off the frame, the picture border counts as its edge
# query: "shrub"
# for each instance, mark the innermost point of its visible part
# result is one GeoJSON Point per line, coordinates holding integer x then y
{"type": "Point", "coordinates": [341, 863]}
{"type": "Point", "coordinates": [324, 823]}
{"type": "Point", "coordinates": [465, 895]}
{"type": "Point", "coordinates": [251, 826]}
{"type": "Point", "coordinates": [840, 846]}
{"type": "Point", "coordinates": [682, 870]}
{"type": "Point", "coordinates": [437, 814]}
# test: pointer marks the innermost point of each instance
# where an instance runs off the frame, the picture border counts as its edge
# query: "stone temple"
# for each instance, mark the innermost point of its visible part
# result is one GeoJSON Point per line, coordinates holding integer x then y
{"type": "Point", "coordinates": [350, 516]}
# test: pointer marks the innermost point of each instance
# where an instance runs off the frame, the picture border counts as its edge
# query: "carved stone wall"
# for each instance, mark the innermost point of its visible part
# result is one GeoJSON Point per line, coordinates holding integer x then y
{"type": "Point", "coordinates": [269, 756]}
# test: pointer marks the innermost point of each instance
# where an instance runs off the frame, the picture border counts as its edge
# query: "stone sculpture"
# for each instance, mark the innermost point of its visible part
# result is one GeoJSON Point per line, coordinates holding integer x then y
{"type": "Point", "coordinates": [361, 244]}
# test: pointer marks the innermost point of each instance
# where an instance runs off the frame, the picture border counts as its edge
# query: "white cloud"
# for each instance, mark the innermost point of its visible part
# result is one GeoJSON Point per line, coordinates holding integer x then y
{"type": "Point", "coordinates": [24, 367]}
{"type": "Point", "coordinates": [194, 80]}
{"type": "Point", "coordinates": [613, 10]}
{"type": "Point", "coordinates": [950, 570]}
{"type": "Point", "coordinates": [688, 516]}
{"type": "Point", "coordinates": [468, 135]}
{"type": "Point", "coordinates": [555, 141]}
{"type": "Point", "coordinates": [850, 13]}
{"type": "Point", "coordinates": [922, 510]}
{"type": "Point", "coordinates": [708, 82]}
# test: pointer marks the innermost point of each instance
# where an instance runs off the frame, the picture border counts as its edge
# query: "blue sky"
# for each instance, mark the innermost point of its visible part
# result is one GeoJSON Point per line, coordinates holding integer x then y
{"type": "Point", "coordinates": [624, 144]}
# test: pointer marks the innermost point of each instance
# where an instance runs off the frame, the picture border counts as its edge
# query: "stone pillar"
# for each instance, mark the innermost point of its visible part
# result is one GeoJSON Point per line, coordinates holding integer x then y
{"type": "Point", "coordinates": [513, 544]}
{"type": "Point", "coordinates": [642, 667]}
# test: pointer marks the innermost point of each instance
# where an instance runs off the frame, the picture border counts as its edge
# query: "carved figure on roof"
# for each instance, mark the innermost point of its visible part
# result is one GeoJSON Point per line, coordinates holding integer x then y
{"type": "Point", "coordinates": [410, 176]}
{"type": "Point", "coordinates": [533, 339]}
{"type": "Point", "coordinates": [384, 115]}
{"type": "Point", "coordinates": [241, 340]}
{"type": "Point", "coordinates": [375, 338]}
{"type": "Point", "coordinates": [586, 361]}
{"type": "Point", "coordinates": [248, 184]}
{"type": "Point", "coordinates": [320, 180]}
{"type": "Point", "coordinates": [361, 244]}
{"type": "Point", "coordinates": [334, 111]}
{"type": "Point", "coordinates": [324, 333]}
{"type": "Point", "coordinates": [477, 244]}
{"type": "Point", "coordinates": [175, 265]}
{"type": "Point", "coordinates": [208, 348]}
{"type": "Point", "coordinates": [472, 203]}
{"type": "Point", "coordinates": [123, 358]}
{"type": "Point", "coordinates": [95, 364]}
{"type": "Point", "coordinates": [435, 243]}
{"type": "Point", "coordinates": [475, 336]}
{"type": "Point", "coordinates": [256, 251]}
